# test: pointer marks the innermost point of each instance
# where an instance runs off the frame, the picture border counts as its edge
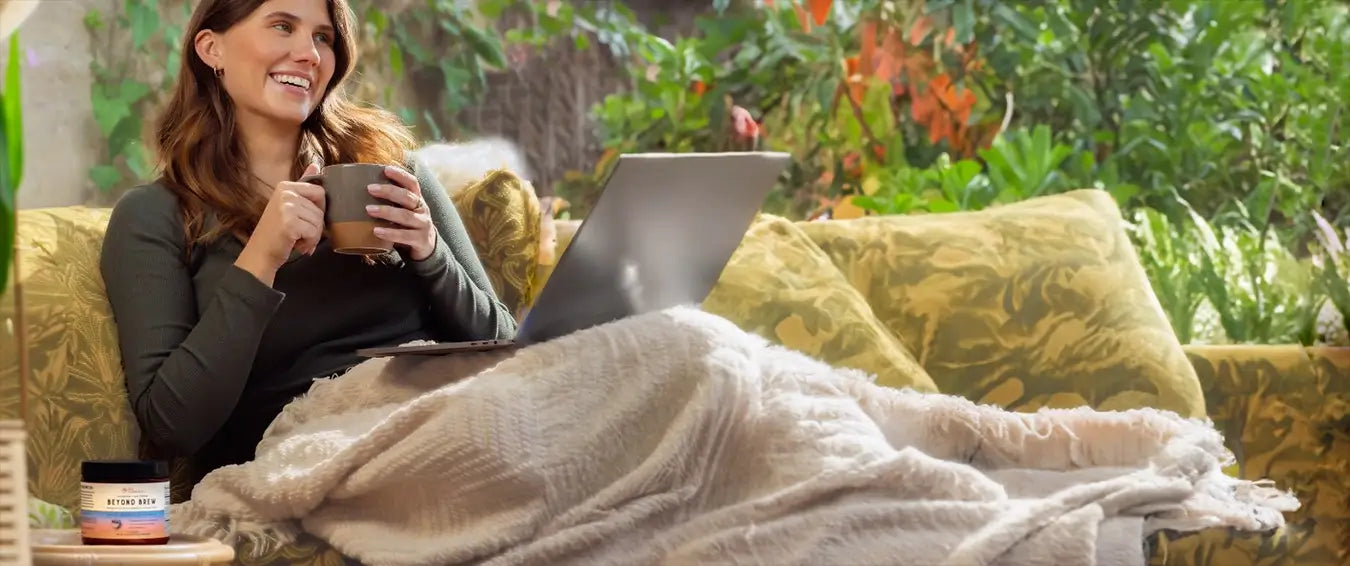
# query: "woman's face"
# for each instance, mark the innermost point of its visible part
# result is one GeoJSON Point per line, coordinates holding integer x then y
{"type": "Point", "coordinates": [277, 62]}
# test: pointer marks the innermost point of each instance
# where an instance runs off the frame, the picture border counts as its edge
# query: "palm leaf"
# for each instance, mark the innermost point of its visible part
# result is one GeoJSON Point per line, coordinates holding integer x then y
{"type": "Point", "coordinates": [11, 158]}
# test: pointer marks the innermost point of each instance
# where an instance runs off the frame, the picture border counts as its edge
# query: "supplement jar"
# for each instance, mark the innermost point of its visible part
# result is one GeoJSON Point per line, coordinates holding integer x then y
{"type": "Point", "coordinates": [124, 502]}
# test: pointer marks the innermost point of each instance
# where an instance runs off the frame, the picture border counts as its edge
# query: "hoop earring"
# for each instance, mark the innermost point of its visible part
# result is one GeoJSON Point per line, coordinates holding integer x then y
{"type": "Point", "coordinates": [220, 72]}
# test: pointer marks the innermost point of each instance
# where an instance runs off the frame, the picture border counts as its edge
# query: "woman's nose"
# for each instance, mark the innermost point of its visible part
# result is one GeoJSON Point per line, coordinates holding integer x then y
{"type": "Point", "coordinates": [305, 49]}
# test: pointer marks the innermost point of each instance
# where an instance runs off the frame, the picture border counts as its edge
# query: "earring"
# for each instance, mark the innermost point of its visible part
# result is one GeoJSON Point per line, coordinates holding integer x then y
{"type": "Point", "coordinates": [220, 72]}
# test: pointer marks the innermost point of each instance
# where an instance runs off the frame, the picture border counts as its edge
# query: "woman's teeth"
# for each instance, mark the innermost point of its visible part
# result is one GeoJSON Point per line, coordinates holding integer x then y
{"type": "Point", "coordinates": [292, 80]}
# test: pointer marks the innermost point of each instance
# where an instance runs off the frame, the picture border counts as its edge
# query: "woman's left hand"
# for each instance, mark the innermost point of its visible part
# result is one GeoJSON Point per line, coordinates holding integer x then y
{"type": "Point", "coordinates": [411, 217]}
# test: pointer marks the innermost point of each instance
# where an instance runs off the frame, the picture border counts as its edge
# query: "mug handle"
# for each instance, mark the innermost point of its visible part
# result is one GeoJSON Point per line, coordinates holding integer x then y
{"type": "Point", "coordinates": [317, 179]}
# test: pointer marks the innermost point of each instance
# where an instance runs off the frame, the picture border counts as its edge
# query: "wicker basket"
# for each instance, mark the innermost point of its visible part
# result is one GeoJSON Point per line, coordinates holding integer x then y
{"type": "Point", "coordinates": [14, 549]}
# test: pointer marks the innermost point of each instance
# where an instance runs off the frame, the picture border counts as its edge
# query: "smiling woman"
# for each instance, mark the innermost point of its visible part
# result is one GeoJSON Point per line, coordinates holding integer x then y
{"type": "Point", "coordinates": [264, 67]}
{"type": "Point", "coordinates": [220, 275]}
{"type": "Point", "coordinates": [280, 62]}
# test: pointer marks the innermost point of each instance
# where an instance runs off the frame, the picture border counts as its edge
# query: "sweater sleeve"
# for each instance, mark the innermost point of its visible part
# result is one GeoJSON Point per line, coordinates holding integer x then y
{"type": "Point", "coordinates": [463, 303]}
{"type": "Point", "coordinates": [184, 373]}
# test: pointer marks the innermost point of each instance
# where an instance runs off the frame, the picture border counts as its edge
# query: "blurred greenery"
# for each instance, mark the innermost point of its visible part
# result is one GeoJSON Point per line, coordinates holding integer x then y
{"type": "Point", "coordinates": [1218, 125]}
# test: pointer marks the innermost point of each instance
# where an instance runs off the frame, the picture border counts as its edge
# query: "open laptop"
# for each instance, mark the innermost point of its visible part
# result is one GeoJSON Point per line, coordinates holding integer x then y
{"type": "Point", "coordinates": [659, 236]}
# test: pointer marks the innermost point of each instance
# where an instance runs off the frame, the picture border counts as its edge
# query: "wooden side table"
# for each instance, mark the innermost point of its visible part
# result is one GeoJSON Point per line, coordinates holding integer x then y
{"type": "Point", "coordinates": [63, 548]}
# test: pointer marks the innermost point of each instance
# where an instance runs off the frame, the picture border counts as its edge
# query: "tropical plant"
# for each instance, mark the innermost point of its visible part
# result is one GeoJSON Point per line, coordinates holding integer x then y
{"type": "Point", "coordinates": [1332, 260]}
{"type": "Point", "coordinates": [1229, 283]}
{"type": "Point", "coordinates": [11, 158]}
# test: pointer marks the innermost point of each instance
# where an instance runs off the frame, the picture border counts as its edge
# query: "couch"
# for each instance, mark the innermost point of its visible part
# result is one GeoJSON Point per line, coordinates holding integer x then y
{"type": "Point", "coordinates": [1035, 304]}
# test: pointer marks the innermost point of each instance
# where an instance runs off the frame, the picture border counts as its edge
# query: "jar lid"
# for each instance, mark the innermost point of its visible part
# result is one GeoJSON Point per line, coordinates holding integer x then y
{"type": "Point", "coordinates": [123, 470]}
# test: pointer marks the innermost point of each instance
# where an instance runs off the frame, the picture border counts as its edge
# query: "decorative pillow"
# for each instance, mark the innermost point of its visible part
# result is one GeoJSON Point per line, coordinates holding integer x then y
{"type": "Point", "coordinates": [501, 215]}
{"type": "Point", "coordinates": [1039, 303]}
{"type": "Point", "coordinates": [779, 285]}
{"type": "Point", "coordinates": [77, 402]}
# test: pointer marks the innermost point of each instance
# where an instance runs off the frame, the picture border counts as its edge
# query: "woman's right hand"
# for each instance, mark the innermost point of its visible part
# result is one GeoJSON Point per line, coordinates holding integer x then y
{"type": "Point", "coordinates": [293, 220]}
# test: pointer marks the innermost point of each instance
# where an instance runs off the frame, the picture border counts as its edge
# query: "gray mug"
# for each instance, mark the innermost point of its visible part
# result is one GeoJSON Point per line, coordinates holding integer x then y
{"type": "Point", "coordinates": [350, 227]}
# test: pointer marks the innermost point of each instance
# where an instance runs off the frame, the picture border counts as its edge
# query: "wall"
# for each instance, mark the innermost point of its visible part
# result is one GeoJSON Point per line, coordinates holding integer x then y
{"type": "Point", "coordinates": [61, 140]}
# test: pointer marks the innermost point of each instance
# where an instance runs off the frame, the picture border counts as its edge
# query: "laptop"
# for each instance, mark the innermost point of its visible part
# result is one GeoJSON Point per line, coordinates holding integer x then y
{"type": "Point", "coordinates": [659, 236]}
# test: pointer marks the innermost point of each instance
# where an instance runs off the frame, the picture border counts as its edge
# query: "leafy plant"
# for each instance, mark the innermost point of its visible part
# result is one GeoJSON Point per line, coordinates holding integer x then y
{"type": "Point", "coordinates": [1227, 283]}
{"type": "Point", "coordinates": [1332, 258]}
{"type": "Point", "coordinates": [1169, 257]}
{"type": "Point", "coordinates": [449, 44]}
{"type": "Point", "coordinates": [11, 156]}
{"type": "Point", "coordinates": [139, 36]}
{"type": "Point", "coordinates": [1262, 292]}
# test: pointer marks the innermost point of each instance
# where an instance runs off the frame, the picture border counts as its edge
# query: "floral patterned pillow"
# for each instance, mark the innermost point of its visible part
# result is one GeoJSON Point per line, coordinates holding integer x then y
{"type": "Point", "coordinates": [779, 285]}
{"type": "Point", "coordinates": [501, 215]}
{"type": "Point", "coordinates": [1038, 303]}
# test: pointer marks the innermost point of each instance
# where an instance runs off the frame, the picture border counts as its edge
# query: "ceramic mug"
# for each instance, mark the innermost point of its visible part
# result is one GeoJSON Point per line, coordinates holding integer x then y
{"type": "Point", "coordinates": [350, 227]}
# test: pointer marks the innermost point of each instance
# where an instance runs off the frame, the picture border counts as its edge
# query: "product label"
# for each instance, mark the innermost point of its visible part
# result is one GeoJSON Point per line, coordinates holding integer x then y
{"type": "Point", "coordinates": [124, 510]}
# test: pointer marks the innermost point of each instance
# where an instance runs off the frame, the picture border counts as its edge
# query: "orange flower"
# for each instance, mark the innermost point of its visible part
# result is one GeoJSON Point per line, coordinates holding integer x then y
{"type": "Point", "coordinates": [820, 10]}
{"type": "Point", "coordinates": [943, 110]}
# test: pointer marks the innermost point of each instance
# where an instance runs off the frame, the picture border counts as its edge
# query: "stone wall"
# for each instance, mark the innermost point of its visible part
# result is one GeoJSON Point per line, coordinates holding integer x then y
{"type": "Point", "coordinates": [61, 139]}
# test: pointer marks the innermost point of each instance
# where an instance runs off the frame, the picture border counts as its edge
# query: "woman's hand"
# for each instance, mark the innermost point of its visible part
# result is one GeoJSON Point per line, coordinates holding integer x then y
{"type": "Point", "coordinates": [411, 215]}
{"type": "Point", "coordinates": [292, 220]}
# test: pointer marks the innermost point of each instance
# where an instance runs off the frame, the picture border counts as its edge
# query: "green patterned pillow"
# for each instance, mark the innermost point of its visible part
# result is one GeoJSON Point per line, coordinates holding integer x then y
{"type": "Point", "coordinates": [77, 403]}
{"type": "Point", "coordinates": [1027, 305]}
{"type": "Point", "coordinates": [501, 215]}
{"type": "Point", "coordinates": [779, 285]}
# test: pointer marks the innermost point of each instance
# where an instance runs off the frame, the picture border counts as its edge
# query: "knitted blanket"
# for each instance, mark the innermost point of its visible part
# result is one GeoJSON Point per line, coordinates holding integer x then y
{"type": "Point", "coordinates": [675, 437]}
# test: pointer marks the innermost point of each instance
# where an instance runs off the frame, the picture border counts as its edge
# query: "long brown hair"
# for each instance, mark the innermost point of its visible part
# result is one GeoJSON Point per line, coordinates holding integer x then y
{"type": "Point", "coordinates": [205, 164]}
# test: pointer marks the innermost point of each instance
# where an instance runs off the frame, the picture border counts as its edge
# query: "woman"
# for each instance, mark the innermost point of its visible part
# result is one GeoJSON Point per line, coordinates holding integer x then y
{"type": "Point", "coordinates": [228, 298]}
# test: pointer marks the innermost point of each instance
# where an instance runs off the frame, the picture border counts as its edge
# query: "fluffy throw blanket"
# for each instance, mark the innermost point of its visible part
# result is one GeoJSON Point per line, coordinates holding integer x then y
{"type": "Point", "coordinates": [677, 438]}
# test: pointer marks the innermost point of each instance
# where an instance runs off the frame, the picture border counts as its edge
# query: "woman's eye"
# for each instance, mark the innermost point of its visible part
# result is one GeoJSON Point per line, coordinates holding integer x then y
{"type": "Point", "coordinates": [283, 26]}
{"type": "Point", "coordinates": [323, 38]}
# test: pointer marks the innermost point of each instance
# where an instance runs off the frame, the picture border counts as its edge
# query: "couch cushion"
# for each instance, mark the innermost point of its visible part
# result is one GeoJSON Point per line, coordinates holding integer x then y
{"type": "Point", "coordinates": [779, 285]}
{"type": "Point", "coordinates": [1285, 413]}
{"type": "Point", "coordinates": [77, 405]}
{"type": "Point", "coordinates": [1038, 303]}
{"type": "Point", "coordinates": [501, 215]}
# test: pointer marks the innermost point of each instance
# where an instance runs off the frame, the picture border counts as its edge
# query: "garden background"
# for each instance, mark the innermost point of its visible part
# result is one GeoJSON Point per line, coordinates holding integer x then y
{"type": "Point", "coordinates": [1218, 125]}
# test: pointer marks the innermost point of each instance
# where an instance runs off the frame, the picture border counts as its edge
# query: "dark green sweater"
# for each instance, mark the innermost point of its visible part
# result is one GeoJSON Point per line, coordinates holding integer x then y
{"type": "Point", "coordinates": [212, 354]}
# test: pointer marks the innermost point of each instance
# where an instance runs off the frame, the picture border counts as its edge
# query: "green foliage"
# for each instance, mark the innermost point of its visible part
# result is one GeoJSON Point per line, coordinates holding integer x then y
{"type": "Point", "coordinates": [44, 515]}
{"type": "Point", "coordinates": [1332, 273]}
{"type": "Point", "coordinates": [11, 156]}
{"type": "Point", "coordinates": [444, 43]}
{"type": "Point", "coordinates": [140, 39]}
{"type": "Point", "coordinates": [450, 48]}
{"type": "Point", "coordinates": [1218, 126]}
{"type": "Point", "coordinates": [682, 93]}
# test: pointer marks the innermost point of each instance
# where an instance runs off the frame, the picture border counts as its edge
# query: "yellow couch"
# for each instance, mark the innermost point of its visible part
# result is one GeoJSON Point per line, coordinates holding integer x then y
{"type": "Point", "coordinates": [1041, 303]}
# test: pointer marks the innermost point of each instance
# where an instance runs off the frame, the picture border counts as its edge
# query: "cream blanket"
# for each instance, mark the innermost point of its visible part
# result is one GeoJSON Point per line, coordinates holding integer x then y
{"type": "Point", "coordinates": [677, 438]}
